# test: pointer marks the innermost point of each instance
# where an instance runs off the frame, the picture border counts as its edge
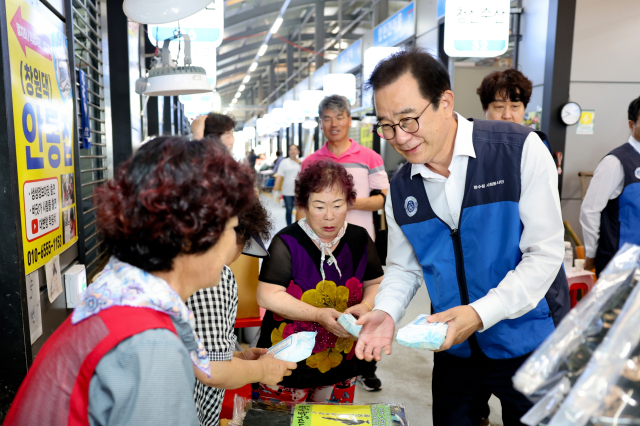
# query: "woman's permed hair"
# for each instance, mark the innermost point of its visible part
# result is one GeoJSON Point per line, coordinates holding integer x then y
{"type": "Point", "coordinates": [216, 124]}
{"type": "Point", "coordinates": [174, 196]}
{"type": "Point", "coordinates": [511, 84]}
{"type": "Point", "coordinates": [254, 221]}
{"type": "Point", "coordinates": [322, 175]}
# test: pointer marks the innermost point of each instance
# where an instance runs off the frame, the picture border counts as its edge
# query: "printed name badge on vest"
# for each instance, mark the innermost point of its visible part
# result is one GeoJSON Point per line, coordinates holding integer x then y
{"type": "Point", "coordinates": [637, 173]}
{"type": "Point", "coordinates": [411, 206]}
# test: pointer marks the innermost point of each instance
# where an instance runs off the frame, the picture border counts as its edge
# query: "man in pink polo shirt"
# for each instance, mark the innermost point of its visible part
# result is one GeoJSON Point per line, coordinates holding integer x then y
{"type": "Point", "coordinates": [367, 168]}
{"type": "Point", "coordinates": [364, 164]}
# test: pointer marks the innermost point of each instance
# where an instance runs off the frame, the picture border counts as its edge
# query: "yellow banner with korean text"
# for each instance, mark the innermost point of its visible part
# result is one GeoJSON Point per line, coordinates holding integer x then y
{"type": "Point", "coordinates": [44, 135]}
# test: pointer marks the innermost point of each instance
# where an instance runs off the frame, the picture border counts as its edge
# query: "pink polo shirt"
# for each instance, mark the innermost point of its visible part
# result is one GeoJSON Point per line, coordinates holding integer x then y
{"type": "Point", "coordinates": [366, 167]}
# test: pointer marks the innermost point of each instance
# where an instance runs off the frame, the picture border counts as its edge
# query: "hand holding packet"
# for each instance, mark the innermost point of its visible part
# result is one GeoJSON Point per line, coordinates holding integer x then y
{"type": "Point", "coordinates": [348, 322]}
{"type": "Point", "coordinates": [422, 334]}
{"type": "Point", "coordinates": [295, 348]}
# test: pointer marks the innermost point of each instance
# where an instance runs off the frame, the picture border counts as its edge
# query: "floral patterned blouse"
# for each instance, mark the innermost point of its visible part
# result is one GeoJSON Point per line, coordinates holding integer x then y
{"type": "Point", "coordinates": [294, 263]}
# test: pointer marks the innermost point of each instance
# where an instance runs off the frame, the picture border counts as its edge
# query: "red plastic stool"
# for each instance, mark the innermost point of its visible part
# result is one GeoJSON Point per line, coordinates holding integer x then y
{"type": "Point", "coordinates": [575, 290]}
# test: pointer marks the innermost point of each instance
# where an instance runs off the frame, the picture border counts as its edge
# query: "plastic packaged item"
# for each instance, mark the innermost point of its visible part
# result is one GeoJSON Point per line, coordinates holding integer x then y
{"type": "Point", "coordinates": [568, 256]}
{"type": "Point", "coordinates": [348, 322]}
{"type": "Point", "coordinates": [608, 392]}
{"type": "Point", "coordinates": [422, 334]}
{"type": "Point", "coordinates": [543, 410]}
{"type": "Point", "coordinates": [262, 413]}
{"type": "Point", "coordinates": [295, 348]}
{"type": "Point", "coordinates": [566, 352]}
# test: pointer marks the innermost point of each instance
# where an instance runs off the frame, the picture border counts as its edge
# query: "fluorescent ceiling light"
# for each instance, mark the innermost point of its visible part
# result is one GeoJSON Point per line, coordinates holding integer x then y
{"type": "Point", "coordinates": [237, 95]}
{"type": "Point", "coordinates": [276, 25]}
{"type": "Point", "coordinates": [263, 49]}
{"type": "Point", "coordinates": [234, 100]}
{"type": "Point", "coordinates": [253, 67]}
{"type": "Point", "coordinates": [241, 88]}
{"type": "Point", "coordinates": [246, 79]}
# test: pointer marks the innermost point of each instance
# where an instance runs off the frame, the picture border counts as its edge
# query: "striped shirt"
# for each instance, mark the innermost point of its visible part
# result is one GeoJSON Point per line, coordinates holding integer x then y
{"type": "Point", "coordinates": [366, 167]}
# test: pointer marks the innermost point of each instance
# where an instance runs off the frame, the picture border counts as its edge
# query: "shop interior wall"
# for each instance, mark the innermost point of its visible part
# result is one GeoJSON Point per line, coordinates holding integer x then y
{"type": "Point", "coordinates": [604, 78]}
{"type": "Point", "coordinates": [466, 82]}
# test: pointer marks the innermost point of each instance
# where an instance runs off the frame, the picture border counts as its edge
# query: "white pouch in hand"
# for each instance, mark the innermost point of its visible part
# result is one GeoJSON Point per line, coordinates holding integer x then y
{"type": "Point", "coordinates": [422, 334]}
{"type": "Point", "coordinates": [348, 322]}
{"type": "Point", "coordinates": [295, 348]}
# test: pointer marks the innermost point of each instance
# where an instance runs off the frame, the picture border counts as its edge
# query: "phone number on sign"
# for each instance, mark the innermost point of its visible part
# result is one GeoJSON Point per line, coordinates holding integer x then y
{"type": "Point", "coordinates": [45, 250]}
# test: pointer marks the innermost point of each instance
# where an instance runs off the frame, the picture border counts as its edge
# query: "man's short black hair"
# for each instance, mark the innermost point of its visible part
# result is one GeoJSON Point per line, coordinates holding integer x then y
{"type": "Point", "coordinates": [634, 110]}
{"type": "Point", "coordinates": [431, 75]}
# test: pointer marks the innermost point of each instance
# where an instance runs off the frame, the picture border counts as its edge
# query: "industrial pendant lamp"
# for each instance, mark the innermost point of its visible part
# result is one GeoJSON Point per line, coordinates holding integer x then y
{"type": "Point", "coordinates": [161, 11]}
{"type": "Point", "coordinates": [171, 80]}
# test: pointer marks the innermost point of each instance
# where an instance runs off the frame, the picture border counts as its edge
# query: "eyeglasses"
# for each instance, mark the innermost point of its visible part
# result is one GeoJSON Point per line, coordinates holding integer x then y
{"type": "Point", "coordinates": [407, 124]}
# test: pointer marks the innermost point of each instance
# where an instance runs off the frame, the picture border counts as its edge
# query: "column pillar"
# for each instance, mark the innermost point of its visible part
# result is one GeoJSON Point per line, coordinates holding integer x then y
{"type": "Point", "coordinates": [320, 32]}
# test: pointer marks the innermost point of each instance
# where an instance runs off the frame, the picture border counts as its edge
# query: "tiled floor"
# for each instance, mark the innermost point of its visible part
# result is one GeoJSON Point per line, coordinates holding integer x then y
{"type": "Point", "coordinates": [406, 373]}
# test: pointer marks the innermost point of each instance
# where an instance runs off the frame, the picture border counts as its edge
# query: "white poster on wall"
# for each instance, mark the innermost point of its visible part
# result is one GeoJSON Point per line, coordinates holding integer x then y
{"type": "Point", "coordinates": [33, 304]}
{"type": "Point", "coordinates": [54, 278]}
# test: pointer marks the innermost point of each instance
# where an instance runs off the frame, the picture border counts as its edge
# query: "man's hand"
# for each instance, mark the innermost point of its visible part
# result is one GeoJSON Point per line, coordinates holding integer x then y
{"type": "Point", "coordinates": [274, 370]}
{"type": "Point", "coordinates": [376, 334]}
{"type": "Point", "coordinates": [358, 310]}
{"type": "Point", "coordinates": [328, 318]}
{"type": "Point", "coordinates": [589, 263]}
{"type": "Point", "coordinates": [197, 127]}
{"type": "Point", "coordinates": [251, 354]}
{"type": "Point", "coordinates": [463, 321]}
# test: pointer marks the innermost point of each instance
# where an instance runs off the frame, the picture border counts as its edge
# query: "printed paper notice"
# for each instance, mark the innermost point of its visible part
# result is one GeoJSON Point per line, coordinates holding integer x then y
{"type": "Point", "coordinates": [586, 123]}
{"type": "Point", "coordinates": [54, 278]}
{"type": "Point", "coordinates": [41, 207]}
{"type": "Point", "coordinates": [33, 304]}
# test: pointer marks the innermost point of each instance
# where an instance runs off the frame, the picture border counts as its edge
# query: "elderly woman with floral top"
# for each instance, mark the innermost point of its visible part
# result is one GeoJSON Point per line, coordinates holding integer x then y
{"type": "Point", "coordinates": [319, 268]}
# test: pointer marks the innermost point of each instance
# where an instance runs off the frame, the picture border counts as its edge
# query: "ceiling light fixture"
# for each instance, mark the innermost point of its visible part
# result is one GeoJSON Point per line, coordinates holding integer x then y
{"type": "Point", "coordinates": [276, 25]}
{"type": "Point", "coordinates": [246, 79]}
{"type": "Point", "coordinates": [262, 50]}
{"type": "Point", "coordinates": [241, 88]}
{"type": "Point", "coordinates": [161, 11]}
{"type": "Point", "coordinates": [253, 67]}
{"type": "Point", "coordinates": [170, 80]}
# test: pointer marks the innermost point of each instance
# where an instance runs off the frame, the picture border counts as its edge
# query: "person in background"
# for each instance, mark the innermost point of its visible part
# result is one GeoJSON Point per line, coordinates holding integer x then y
{"type": "Point", "coordinates": [215, 311]}
{"type": "Point", "coordinates": [129, 353]}
{"type": "Point", "coordinates": [286, 179]}
{"type": "Point", "coordinates": [251, 159]}
{"type": "Point", "coordinates": [610, 212]}
{"type": "Point", "coordinates": [279, 159]}
{"type": "Point", "coordinates": [366, 167]}
{"type": "Point", "coordinates": [475, 215]}
{"type": "Point", "coordinates": [505, 95]}
{"type": "Point", "coordinates": [319, 268]}
{"type": "Point", "coordinates": [220, 125]}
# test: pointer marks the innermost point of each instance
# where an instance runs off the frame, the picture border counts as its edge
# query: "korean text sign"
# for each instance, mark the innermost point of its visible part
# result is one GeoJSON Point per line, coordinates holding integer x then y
{"type": "Point", "coordinates": [43, 121]}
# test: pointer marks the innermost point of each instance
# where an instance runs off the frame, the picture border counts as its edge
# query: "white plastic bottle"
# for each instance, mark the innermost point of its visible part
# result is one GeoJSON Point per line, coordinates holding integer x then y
{"type": "Point", "coordinates": [568, 257]}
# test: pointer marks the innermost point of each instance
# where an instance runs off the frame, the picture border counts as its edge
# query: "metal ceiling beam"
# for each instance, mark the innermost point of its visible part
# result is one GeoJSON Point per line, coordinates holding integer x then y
{"type": "Point", "coordinates": [271, 51]}
{"type": "Point", "coordinates": [258, 12]}
{"type": "Point", "coordinates": [254, 46]}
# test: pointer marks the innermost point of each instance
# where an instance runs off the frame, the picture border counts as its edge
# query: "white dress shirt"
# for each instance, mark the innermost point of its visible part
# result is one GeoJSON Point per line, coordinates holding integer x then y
{"type": "Point", "coordinates": [607, 184]}
{"type": "Point", "coordinates": [542, 240]}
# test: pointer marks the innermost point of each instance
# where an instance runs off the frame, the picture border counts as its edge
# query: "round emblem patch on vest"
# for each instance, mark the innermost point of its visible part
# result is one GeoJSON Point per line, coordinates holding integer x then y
{"type": "Point", "coordinates": [411, 206]}
{"type": "Point", "coordinates": [637, 173]}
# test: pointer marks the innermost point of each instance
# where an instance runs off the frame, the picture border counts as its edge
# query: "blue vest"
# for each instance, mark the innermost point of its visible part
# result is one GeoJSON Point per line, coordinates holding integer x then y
{"type": "Point", "coordinates": [620, 220]}
{"type": "Point", "coordinates": [461, 265]}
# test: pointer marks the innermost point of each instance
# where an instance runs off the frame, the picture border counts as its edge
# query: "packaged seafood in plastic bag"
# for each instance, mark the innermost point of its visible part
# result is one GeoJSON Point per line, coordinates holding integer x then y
{"type": "Point", "coordinates": [422, 334]}
{"type": "Point", "coordinates": [348, 322]}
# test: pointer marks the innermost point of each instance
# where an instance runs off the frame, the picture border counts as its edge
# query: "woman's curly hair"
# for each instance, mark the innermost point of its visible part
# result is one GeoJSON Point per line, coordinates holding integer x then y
{"type": "Point", "coordinates": [174, 196]}
{"type": "Point", "coordinates": [322, 175]}
{"type": "Point", "coordinates": [254, 221]}
{"type": "Point", "coordinates": [216, 124]}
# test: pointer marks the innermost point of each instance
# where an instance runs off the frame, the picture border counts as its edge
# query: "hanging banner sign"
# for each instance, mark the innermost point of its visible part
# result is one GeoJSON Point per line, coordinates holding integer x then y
{"type": "Point", "coordinates": [44, 134]}
{"type": "Point", "coordinates": [350, 58]}
{"type": "Point", "coordinates": [85, 128]}
{"type": "Point", "coordinates": [396, 28]}
{"type": "Point", "coordinates": [476, 28]}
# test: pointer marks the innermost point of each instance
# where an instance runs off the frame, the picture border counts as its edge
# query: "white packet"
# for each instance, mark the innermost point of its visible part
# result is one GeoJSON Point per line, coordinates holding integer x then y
{"type": "Point", "coordinates": [422, 334]}
{"type": "Point", "coordinates": [348, 322]}
{"type": "Point", "coordinates": [295, 348]}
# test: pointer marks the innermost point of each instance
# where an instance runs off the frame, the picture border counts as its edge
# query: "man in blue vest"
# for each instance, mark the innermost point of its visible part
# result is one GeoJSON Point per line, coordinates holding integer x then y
{"type": "Point", "coordinates": [475, 213]}
{"type": "Point", "coordinates": [610, 212]}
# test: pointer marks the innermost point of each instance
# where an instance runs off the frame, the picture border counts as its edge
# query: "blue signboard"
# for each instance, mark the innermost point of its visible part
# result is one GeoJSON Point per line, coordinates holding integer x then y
{"type": "Point", "coordinates": [318, 76]}
{"type": "Point", "coordinates": [441, 8]}
{"type": "Point", "coordinates": [85, 140]}
{"type": "Point", "coordinates": [396, 28]}
{"type": "Point", "coordinates": [350, 58]}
